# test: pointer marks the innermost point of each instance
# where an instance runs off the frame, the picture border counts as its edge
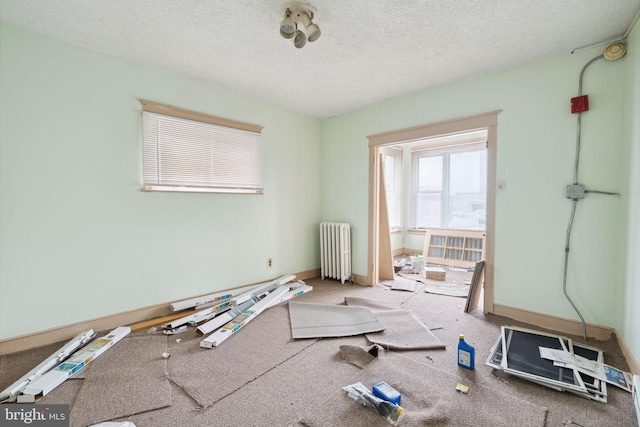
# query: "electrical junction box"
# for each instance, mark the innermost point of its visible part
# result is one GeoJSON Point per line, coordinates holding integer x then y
{"type": "Point", "coordinates": [579, 104]}
{"type": "Point", "coordinates": [575, 191]}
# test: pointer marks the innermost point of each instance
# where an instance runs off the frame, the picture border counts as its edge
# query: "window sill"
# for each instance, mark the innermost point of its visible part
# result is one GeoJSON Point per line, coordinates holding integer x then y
{"type": "Point", "coordinates": [421, 231]}
{"type": "Point", "coordinates": [172, 189]}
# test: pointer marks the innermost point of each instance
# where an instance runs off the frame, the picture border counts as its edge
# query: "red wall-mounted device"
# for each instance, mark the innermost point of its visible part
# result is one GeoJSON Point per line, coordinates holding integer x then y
{"type": "Point", "coordinates": [579, 104]}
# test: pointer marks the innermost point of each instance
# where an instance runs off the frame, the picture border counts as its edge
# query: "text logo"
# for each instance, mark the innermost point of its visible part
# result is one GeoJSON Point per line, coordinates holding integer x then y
{"type": "Point", "coordinates": [12, 415]}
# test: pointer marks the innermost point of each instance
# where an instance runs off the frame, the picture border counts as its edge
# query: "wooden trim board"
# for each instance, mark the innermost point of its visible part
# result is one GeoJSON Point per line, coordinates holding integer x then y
{"type": "Point", "coordinates": [409, 251]}
{"type": "Point", "coordinates": [634, 364]}
{"type": "Point", "coordinates": [151, 313]}
{"type": "Point", "coordinates": [385, 257]}
{"type": "Point", "coordinates": [554, 323]}
{"type": "Point", "coordinates": [488, 121]}
{"type": "Point", "coordinates": [49, 336]}
{"type": "Point", "coordinates": [161, 320]}
{"type": "Point", "coordinates": [308, 274]}
{"type": "Point", "coordinates": [360, 280]}
{"type": "Point", "coordinates": [169, 110]}
{"type": "Point", "coordinates": [446, 127]}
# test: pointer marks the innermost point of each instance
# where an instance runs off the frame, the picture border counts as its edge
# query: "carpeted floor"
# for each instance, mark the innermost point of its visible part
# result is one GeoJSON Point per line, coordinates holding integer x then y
{"type": "Point", "coordinates": [404, 330]}
{"type": "Point", "coordinates": [102, 396]}
{"type": "Point", "coordinates": [263, 377]}
{"type": "Point", "coordinates": [430, 397]}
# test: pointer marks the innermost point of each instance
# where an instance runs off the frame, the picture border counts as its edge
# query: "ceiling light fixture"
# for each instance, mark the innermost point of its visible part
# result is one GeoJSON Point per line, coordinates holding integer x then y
{"type": "Point", "coordinates": [296, 15]}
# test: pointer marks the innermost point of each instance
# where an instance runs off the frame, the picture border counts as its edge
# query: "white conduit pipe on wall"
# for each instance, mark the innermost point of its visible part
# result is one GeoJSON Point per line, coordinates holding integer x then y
{"type": "Point", "coordinates": [620, 51]}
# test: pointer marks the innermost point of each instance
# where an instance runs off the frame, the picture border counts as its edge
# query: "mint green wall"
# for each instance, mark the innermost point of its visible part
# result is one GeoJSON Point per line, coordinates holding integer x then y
{"type": "Point", "coordinates": [535, 156]}
{"type": "Point", "coordinates": [629, 326]}
{"type": "Point", "coordinates": [78, 239]}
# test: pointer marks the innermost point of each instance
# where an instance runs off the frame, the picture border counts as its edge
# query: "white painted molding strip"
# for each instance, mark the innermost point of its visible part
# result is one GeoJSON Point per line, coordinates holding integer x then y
{"type": "Point", "coordinates": [201, 302]}
{"type": "Point", "coordinates": [262, 289]}
{"type": "Point", "coordinates": [205, 317]}
{"type": "Point", "coordinates": [208, 300]}
{"type": "Point", "coordinates": [199, 316]}
{"type": "Point", "coordinates": [9, 394]}
{"type": "Point", "coordinates": [282, 293]}
{"type": "Point", "coordinates": [81, 358]}
{"type": "Point", "coordinates": [219, 336]}
{"type": "Point", "coordinates": [294, 291]}
{"type": "Point", "coordinates": [218, 321]}
{"type": "Point", "coordinates": [242, 302]}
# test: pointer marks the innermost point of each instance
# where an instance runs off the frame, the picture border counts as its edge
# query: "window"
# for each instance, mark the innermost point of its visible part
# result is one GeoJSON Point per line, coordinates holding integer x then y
{"type": "Point", "coordinates": [194, 152]}
{"type": "Point", "coordinates": [450, 184]}
{"type": "Point", "coordinates": [392, 163]}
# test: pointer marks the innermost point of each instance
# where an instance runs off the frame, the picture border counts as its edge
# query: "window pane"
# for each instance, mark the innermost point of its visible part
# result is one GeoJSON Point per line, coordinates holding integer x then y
{"type": "Point", "coordinates": [467, 190]}
{"type": "Point", "coordinates": [428, 210]}
{"type": "Point", "coordinates": [429, 196]}
{"type": "Point", "coordinates": [430, 173]}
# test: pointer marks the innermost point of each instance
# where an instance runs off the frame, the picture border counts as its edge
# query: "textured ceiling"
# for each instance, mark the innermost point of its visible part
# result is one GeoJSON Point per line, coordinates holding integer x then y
{"type": "Point", "coordinates": [369, 51]}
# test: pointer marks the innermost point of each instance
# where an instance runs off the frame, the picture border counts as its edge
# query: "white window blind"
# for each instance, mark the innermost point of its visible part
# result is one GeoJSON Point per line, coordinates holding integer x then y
{"type": "Point", "coordinates": [188, 155]}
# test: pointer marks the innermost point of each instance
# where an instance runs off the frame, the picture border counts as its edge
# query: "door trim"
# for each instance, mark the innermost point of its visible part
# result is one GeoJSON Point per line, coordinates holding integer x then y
{"type": "Point", "coordinates": [487, 121]}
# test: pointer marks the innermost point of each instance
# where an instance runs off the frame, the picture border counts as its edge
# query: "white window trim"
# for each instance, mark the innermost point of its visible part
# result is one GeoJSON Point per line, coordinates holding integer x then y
{"type": "Point", "coordinates": [396, 153]}
{"type": "Point", "coordinates": [152, 179]}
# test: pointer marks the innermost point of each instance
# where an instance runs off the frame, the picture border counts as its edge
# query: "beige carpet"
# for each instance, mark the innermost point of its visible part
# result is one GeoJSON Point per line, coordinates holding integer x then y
{"type": "Point", "coordinates": [244, 357]}
{"type": "Point", "coordinates": [128, 379]}
{"type": "Point", "coordinates": [429, 397]}
{"type": "Point", "coordinates": [267, 392]}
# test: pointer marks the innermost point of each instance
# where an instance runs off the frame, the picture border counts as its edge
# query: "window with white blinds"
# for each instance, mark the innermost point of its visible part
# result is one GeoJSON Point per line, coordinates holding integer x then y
{"type": "Point", "coordinates": [193, 152]}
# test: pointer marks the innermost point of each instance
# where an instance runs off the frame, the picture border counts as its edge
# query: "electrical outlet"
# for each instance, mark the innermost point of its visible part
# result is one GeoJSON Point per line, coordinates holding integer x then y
{"type": "Point", "coordinates": [269, 263]}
